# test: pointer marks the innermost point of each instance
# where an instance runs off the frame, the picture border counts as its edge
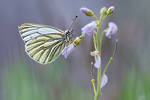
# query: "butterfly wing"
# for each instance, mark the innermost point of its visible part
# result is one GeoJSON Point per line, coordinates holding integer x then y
{"type": "Point", "coordinates": [29, 31]}
{"type": "Point", "coordinates": [43, 43]}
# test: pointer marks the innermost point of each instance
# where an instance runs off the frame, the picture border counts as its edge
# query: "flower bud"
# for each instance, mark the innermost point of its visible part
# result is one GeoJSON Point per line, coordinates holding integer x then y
{"type": "Point", "coordinates": [103, 11]}
{"type": "Point", "coordinates": [86, 11]}
{"type": "Point", "coordinates": [110, 10]}
{"type": "Point", "coordinates": [77, 41]}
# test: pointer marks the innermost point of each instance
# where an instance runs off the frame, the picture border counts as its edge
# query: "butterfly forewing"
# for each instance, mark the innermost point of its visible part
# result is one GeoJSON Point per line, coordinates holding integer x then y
{"type": "Point", "coordinates": [29, 31]}
{"type": "Point", "coordinates": [43, 43]}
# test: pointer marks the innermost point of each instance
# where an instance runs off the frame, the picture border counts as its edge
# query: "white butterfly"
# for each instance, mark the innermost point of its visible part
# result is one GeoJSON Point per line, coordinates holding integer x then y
{"type": "Point", "coordinates": [44, 43]}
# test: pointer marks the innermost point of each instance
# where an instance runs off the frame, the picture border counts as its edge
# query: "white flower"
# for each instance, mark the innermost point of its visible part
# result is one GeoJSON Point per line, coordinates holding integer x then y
{"type": "Point", "coordinates": [97, 57]}
{"type": "Point", "coordinates": [111, 30]}
{"type": "Point", "coordinates": [68, 50]}
{"type": "Point", "coordinates": [89, 28]}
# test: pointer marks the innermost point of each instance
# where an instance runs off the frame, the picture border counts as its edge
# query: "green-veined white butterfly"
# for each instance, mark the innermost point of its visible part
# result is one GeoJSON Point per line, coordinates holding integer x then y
{"type": "Point", "coordinates": [44, 43]}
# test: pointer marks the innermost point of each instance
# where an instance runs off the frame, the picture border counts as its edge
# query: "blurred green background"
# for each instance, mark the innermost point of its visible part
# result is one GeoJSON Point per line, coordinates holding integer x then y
{"type": "Point", "coordinates": [21, 78]}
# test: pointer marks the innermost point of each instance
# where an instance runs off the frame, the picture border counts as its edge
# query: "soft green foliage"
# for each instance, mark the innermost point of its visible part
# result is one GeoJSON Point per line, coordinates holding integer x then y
{"type": "Point", "coordinates": [136, 86]}
{"type": "Point", "coordinates": [21, 84]}
{"type": "Point", "coordinates": [24, 82]}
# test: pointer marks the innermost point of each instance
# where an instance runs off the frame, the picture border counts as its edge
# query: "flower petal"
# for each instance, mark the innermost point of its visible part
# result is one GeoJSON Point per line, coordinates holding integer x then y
{"type": "Point", "coordinates": [68, 50]}
{"type": "Point", "coordinates": [89, 28]}
{"type": "Point", "coordinates": [84, 10]}
{"type": "Point", "coordinates": [111, 30]}
{"type": "Point", "coordinates": [104, 81]}
{"type": "Point", "coordinates": [97, 63]}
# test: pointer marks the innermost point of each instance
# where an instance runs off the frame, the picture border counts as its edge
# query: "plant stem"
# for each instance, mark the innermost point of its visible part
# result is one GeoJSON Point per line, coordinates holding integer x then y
{"type": "Point", "coordinates": [101, 39]}
{"type": "Point", "coordinates": [99, 72]}
{"type": "Point", "coordinates": [98, 84]}
{"type": "Point", "coordinates": [94, 39]}
{"type": "Point", "coordinates": [99, 69]}
{"type": "Point", "coordinates": [92, 76]}
{"type": "Point", "coordinates": [97, 35]}
{"type": "Point", "coordinates": [111, 59]}
{"type": "Point", "coordinates": [93, 82]}
{"type": "Point", "coordinates": [95, 17]}
{"type": "Point", "coordinates": [82, 35]}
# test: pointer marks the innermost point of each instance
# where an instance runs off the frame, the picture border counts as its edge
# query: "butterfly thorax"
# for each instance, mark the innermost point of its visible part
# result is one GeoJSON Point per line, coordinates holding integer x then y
{"type": "Point", "coordinates": [68, 36]}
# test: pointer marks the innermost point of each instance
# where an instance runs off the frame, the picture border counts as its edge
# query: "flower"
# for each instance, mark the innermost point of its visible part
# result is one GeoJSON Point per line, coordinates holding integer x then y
{"type": "Point", "coordinates": [86, 11]}
{"type": "Point", "coordinates": [111, 30]}
{"type": "Point", "coordinates": [110, 10]}
{"type": "Point", "coordinates": [104, 81]}
{"type": "Point", "coordinates": [89, 28]}
{"type": "Point", "coordinates": [97, 57]}
{"type": "Point", "coordinates": [68, 50]}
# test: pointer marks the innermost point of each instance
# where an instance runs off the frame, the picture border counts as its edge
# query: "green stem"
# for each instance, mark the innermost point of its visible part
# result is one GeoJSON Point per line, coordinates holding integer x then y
{"type": "Point", "coordinates": [99, 69]}
{"type": "Point", "coordinates": [101, 39]}
{"type": "Point", "coordinates": [99, 42]}
{"type": "Point", "coordinates": [94, 40]}
{"type": "Point", "coordinates": [98, 84]}
{"type": "Point", "coordinates": [111, 59]}
{"type": "Point", "coordinates": [97, 35]}
{"type": "Point", "coordinates": [82, 35]}
{"type": "Point", "coordinates": [95, 17]}
{"type": "Point", "coordinates": [93, 82]}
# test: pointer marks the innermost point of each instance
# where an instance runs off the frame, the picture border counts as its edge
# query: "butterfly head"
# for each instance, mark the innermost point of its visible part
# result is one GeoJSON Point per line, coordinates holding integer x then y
{"type": "Point", "coordinates": [69, 32]}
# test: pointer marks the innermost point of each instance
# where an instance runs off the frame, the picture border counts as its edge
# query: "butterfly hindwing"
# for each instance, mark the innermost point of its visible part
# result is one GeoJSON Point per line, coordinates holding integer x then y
{"type": "Point", "coordinates": [45, 48]}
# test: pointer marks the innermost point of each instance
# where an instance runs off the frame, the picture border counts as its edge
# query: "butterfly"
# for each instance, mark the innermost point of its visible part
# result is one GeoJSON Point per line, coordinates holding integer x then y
{"type": "Point", "coordinates": [44, 43]}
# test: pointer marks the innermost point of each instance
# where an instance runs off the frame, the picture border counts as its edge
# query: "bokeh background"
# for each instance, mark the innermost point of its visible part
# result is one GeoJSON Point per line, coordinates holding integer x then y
{"type": "Point", "coordinates": [21, 78]}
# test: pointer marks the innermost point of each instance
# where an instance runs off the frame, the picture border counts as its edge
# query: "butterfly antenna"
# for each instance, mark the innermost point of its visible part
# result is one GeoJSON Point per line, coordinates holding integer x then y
{"type": "Point", "coordinates": [72, 22]}
{"type": "Point", "coordinates": [74, 36]}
